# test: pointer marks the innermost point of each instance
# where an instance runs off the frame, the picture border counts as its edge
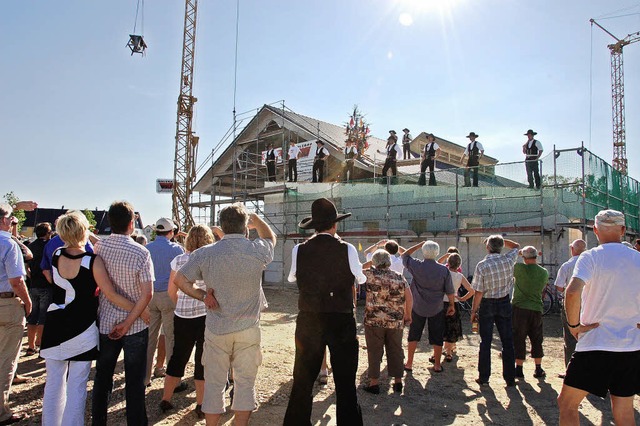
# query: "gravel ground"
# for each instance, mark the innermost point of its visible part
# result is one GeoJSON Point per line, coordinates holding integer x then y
{"type": "Point", "coordinates": [428, 398]}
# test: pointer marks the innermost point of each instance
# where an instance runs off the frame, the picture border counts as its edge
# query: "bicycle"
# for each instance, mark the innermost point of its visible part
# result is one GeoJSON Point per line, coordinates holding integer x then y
{"type": "Point", "coordinates": [548, 300]}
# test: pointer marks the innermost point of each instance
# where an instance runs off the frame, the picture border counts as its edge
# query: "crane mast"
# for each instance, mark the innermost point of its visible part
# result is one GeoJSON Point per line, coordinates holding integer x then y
{"type": "Point", "coordinates": [617, 98]}
{"type": "Point", "coordinates": [186, 142]}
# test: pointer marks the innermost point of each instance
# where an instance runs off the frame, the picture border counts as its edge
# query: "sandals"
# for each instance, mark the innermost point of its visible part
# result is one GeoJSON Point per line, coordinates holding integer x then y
{"type": "Point", "coordinates": [31, 351]}
{"type": "Point", "coordinates": [448, 358]}
{"type": "Point", "coordinates": [438, 371]}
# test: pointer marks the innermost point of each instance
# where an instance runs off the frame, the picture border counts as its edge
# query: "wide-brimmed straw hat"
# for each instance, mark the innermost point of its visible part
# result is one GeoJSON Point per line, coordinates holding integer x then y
{"type": "Point", "coordinates": [323, 212]}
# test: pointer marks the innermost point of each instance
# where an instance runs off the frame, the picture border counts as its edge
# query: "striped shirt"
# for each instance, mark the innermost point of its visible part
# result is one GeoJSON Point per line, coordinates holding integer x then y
{"type": "Point", "coordinates": [129, 265]}
{"type": "Point", "coordinates": [494, 274]}
{"type": "Point", "coordinates": [187, 306]}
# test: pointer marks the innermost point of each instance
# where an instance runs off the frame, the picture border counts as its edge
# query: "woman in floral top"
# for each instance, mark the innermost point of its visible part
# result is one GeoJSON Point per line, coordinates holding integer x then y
{"type": "Point", "coordinates": [387, 311]}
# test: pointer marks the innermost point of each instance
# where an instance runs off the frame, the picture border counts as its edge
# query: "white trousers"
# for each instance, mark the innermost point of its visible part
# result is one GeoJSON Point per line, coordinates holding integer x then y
{"type": "Point", "coordinates": [65, 393]}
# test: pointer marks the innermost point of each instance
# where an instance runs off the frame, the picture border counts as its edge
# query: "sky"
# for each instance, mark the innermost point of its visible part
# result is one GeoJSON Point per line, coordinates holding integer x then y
{"type": "Point", "coordinates": [84, 123]}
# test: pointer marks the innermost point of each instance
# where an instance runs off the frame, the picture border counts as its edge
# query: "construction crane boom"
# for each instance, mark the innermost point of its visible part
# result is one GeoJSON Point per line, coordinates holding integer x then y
{"type": "Point", "coordinates": [617, 98]}
{"type": "Point", "coordinates": [186, 142]}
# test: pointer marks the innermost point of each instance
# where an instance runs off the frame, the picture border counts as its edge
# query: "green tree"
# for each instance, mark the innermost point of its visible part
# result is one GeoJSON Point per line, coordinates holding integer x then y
{"type": "Point", "coordinates": [12, 199]}
{"type": "Point", "coordinates": [91, 218]}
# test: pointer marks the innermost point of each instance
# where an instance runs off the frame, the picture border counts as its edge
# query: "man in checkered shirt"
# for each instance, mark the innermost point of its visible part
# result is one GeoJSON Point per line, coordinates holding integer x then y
{"type": "Point", "coordinates": [493, 283]}
{"type": "Point", "coordinates": [131, 272]}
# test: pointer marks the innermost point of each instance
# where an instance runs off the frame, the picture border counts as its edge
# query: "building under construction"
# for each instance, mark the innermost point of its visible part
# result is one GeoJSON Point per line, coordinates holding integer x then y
{"type": "Point", "coordinates": [576, 184]}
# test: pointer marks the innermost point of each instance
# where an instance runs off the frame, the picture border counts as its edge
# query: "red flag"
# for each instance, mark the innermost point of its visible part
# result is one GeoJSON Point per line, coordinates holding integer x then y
{"type": "Point", "coordinates": [351, 123]}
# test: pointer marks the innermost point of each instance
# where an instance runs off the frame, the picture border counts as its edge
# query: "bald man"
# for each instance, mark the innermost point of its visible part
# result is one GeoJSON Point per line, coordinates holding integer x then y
{"type": "Point", "coordinates": [562, 280]}
{"type": "Point", "coordinates": [601, 304]}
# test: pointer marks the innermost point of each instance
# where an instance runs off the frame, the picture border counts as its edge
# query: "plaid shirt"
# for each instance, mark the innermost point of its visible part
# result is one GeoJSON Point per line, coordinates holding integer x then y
{"type": "Point", "coordinates": [129, 265]}
{"type": "Point", "coordinates": [187, 306]}
{"type": "Point", "coordinates": [494, 274]}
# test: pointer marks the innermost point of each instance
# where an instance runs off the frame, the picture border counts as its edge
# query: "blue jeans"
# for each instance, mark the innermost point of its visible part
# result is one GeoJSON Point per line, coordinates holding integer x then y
{"type": "Point", "coordinates": [135, 363]}
{"type": "Point", "coordinates": [40, 300]}
{"type": "Point", "coordinates": [496, 311]}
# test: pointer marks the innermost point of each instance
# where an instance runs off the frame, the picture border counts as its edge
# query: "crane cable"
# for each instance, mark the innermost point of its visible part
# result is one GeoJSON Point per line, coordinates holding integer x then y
{"type": "Point", "coordinates": [591, 89]}
{"type": "Point", "coordinates": [135, 23]}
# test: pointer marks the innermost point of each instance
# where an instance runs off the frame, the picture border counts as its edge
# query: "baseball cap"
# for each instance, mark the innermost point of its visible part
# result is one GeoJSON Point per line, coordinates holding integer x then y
{"type": "Point", "coordinates": [165, 225]}
{"type": "Point", "coordinates": [610, 218]}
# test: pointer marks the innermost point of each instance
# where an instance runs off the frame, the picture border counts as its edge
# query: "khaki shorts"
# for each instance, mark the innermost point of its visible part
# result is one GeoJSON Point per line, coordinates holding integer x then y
{"type": "Point", "coordinates": [239, 351]}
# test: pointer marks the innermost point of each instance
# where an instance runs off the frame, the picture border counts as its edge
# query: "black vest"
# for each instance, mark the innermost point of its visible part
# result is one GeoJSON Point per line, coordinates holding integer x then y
{"type": "Point", "coordinates": [405, 138]}
{"type": "Point", "coordinates": [271, 155]}
{"type": "Point", "coordinates": [320, 153]}
{"type": "Point", "coordinates": [349, 154]}
{"type": "Point", "coordinates": [533, 150]}
{"type": "Point", "coordinates": [474, 154]}
{"type": "Point", "coordinates": [431, 152]}
{"type": "Point", "coordinates": [391, 153]}
{"type": "Point", "coordinates": [324, 278]}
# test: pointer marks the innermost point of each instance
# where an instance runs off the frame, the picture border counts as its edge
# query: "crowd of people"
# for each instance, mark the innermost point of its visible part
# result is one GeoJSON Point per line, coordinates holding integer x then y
{"type": "Point", "coordinates": [90, 299]}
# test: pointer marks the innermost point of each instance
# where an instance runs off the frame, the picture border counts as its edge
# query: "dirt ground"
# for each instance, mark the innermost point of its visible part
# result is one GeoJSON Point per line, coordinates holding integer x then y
{"type": "Point", "coordinates": [451, 397]}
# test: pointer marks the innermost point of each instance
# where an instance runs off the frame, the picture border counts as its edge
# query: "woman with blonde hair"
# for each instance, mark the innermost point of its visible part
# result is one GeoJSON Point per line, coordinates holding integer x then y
{"type": "Point", "coordinates": [188, 323]}
{"type": "Point", "coordinates": [70, 336]}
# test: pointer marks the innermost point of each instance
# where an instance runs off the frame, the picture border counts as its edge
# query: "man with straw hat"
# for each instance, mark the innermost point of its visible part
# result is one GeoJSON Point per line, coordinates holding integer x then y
{"type": "Point", "coordinates": [325, 268]}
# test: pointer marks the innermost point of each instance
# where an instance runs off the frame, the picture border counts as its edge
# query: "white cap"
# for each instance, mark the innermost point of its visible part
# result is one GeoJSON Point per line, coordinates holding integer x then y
{"type": "Point", "coordinates": [165, 225]}
{"type": "Point", "coordinates": [610, 218]}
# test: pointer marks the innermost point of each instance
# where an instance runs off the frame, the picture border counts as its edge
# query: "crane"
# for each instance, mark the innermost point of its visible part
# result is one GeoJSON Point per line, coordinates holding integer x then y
{"type": "Point", "coordinates": [617, 98]}
{"type": "Point", "coordinates": [186, 142]}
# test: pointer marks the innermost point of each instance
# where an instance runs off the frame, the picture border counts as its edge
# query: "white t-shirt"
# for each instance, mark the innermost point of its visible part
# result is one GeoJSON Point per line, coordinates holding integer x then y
{"type": "Point", "coordinates": [456, 279]}
{"type": "Point", "coordinates": [293, 152]}
{"type": "Point", "coordinates": [610, 297]}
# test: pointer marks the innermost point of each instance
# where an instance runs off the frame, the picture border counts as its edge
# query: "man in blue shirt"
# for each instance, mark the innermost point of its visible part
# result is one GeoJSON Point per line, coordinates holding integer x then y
{"type": "Point", "coordinates": [14, 304]}
{"type": "Point", "coordinates": [161, 307]}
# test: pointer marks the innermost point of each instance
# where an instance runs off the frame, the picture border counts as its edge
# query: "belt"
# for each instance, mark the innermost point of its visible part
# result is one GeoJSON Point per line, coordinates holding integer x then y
{"type": "Point", "coordinates": [496, 299]}
{"type": "Point", "coordinates": [7, 295]}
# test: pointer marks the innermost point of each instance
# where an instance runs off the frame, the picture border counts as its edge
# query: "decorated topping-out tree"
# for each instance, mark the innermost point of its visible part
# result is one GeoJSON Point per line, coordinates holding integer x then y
{"type": "Point", "coordinates": [357, 131]}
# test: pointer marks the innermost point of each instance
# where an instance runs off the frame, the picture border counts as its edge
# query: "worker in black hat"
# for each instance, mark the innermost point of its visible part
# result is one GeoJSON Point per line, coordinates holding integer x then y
{"type": "Point", "coordinates": [325, 268]}
{"type": "Point", "coordinates": [406, 144]}
{"type": "Point", "coordinates": [270, 159]}
{"type": "Point", "coordinates": [318, 162]}
{"type": "Point", "coordinates": [392, 151]}
{"type": "Point", "coordinates": [429, 155]}
{"type": "Point", "coordinates": [474, 153]}
{"type": "Point", "coordinates": [532, 149]}
{"type": "Point", "coordinates": [350, 154]}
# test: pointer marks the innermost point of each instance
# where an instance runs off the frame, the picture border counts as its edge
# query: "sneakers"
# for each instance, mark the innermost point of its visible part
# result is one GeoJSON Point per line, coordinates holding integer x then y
{"type": "Point", "coordinates": [165, 406]}
{"type": "Point", "coordinates": [159, 372]}
{"type": "Point", "coordinates": [539, 374]}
